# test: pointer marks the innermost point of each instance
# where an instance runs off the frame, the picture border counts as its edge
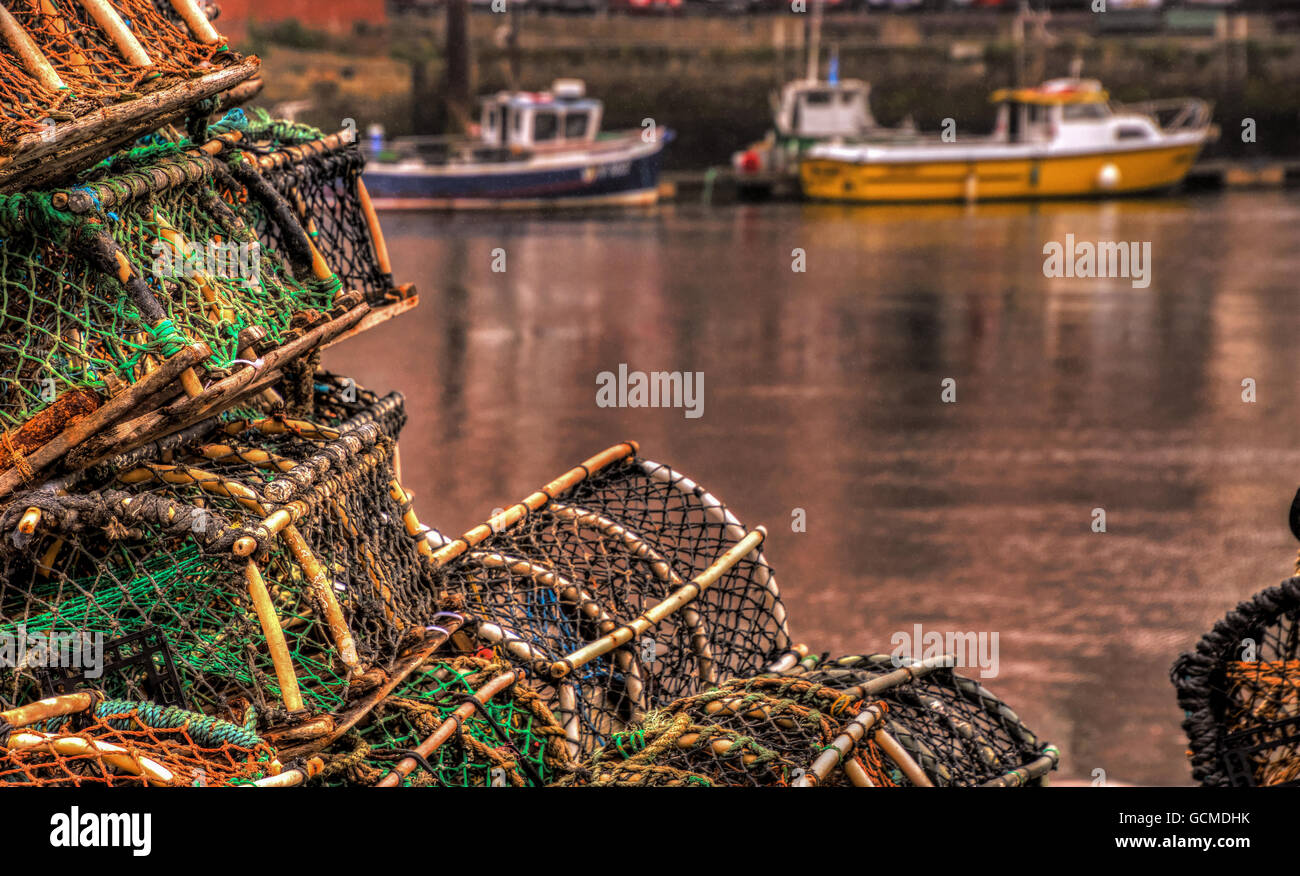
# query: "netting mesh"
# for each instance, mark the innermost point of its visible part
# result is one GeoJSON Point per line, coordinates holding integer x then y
{"type": "Point", "coordinates": [593, 556]}
{"type": "Point", "coordinates": [957, 732]}
{"type": "Point", "coordinates": [320, 177]}
{"type": "Point", "coordinates": [120, 743]}
{"type": "Point", "coordinates": [94, 295]}
{"type": "Point", "coordinates": [513, 740]}
{"type": "Point", "coordinates": [763, 731]}
{"type": "Point", "coordinates": [91, 63]}
{"type": "Point", "coordinates": [1240, 691]}
{"type": "Point", "coordinates": [140, 546]}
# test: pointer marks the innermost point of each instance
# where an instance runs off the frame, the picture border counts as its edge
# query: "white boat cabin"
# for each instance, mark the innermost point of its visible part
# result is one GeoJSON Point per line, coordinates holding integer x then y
{"type": "Point", "coordinates": [815, 109]}
{"type": "Point", "coordinates": [530, 120]}
{"type": "Point", "coordinates": [1069, 113]}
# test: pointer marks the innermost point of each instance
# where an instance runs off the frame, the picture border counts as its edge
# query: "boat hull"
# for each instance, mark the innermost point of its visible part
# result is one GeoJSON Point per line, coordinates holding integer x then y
{"type": "Point", "coordinates": [625, 177]}
{"type": "Point", "coordinates": [1013, 178]}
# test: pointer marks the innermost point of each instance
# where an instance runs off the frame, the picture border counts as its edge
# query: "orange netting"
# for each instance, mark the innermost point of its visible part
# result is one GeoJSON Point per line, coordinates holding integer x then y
{"type": "Point", "coordinates": [1264, 692]}
{"type": "Point", "coordinates": [122, 744]}
{"type": "Point", "coordinates": [93, 65]}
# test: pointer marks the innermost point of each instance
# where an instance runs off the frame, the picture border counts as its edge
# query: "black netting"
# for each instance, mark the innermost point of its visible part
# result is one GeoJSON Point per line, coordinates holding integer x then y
{"type": "Point", "coordinates": [1240, 691]}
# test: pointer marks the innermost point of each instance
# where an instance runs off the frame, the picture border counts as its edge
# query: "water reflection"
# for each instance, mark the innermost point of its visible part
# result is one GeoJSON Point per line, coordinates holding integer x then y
{"type": "Point", "coordinates": [823, 393]}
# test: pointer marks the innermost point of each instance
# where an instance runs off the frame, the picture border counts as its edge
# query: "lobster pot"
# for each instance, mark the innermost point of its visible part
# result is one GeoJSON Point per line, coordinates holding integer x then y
{"type": "Point", "coordinates": [594, 583]}
{"type": "Point", "coordinates": [764, 732]}
{"type": "Point", "coordinates": [951, 727]}
{"type": "Point", "coordinates": [513, 740]}
{"type": "Point", "coordinates": [1240, 691]}
{"type": "Point", "coordinates": [319, 175]}
{"type": "Point", "coordinates": [82, 78]}
{"type": "Point", "coordinates": [270, 564]}
{"type": "Point", "coordinates": [82, 740]}
{"type": "Point", "coordinates": [145, 284]}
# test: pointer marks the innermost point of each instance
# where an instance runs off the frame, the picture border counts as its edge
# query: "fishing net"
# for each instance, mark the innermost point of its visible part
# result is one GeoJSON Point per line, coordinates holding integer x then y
{"type": "Point", "coordinates": [952, 727]}
{"type": "Point", "coordinates": [320, 176]}
{"type": "Point", "coordinates": [1240, 692]}
{"type": "Point", "coordinates": [77, 84]}
{"type": "Point", "coordinates": [114, 291]}
{"type": "Point", "coordinates": [83, 740]}
{"type": "Point", "coordinates": [622, 585]}
{"type": "Point", "coordinates": [511, 740]}
{"type": "Point", "coordinates": [766, 731]}
{"type": "Point", "coordinates": [269, 563]}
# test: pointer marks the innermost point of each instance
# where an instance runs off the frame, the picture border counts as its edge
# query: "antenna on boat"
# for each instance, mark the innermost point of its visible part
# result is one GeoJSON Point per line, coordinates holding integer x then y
{"type": "Point", "coordinates": [815, 40]}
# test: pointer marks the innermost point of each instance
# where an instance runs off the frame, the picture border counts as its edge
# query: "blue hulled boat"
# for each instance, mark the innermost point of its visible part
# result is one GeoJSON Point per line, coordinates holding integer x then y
{"type": "Point", "coordinates": [531, 150]}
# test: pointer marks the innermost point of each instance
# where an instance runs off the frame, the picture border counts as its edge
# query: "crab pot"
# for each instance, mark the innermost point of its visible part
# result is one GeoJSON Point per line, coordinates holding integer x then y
{"type": "Point", "coordinates": [319, 176]}
{"type": "Point", "coordinates": [756, 732]}
{"type": "Point", "coordinates": [83, 740]}
{"type": "Point", "coordinates": [147, 302]}
{"type": "Point", "coordinates": [1240, 692]}
{"type": "Point", "coordinates": [511, 740]}
{"type": "Point", "coordinates": [80, 79]}
{"type": "Point", "coordinates": [950, 726]}
{"type": "Point", "coordinates": [620, 585]}
{"type": "Point", "coordinates": [205, 593]}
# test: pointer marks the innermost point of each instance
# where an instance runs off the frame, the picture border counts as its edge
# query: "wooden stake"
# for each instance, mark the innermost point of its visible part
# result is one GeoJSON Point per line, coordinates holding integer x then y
{"type": "Point", "coordinates": [376, 232]}
{"type": "Point", "coordinates": [112, 24]}
{"type": "Point", "coordinates": [280, 654]}
{"type": "Point", "coordinates": [517, 512]}
{"type": "Point", "coordinates": [106, 414]}
{"type": "Point", "coordinates": [197, 22]}
{"type": "Point", "coordinates": [53, 707]}
{"type": "Point", "coordinates": [28, 52]}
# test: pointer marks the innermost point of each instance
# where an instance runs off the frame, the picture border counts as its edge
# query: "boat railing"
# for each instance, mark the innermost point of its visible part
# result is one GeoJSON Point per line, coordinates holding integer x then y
{"type": "Point", "coordinates": [1174, 115]}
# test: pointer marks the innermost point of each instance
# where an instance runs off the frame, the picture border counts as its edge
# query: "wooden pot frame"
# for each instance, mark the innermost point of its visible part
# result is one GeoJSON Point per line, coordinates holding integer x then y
{"type": "Point", "coordinates": [322, 479]}
{"type": "Point", "coordinates": [150, 764]}
{"type": "Point", "coordinates": [1239, 690]}
{"type": "Point", "coordinates": [177, 61]}
{"type": "Point", "coordinates": [614, 618]}
{"type": "Point", "coordinates": [879, 675]}
{"type": "Point", "coordinates": [139, 412]}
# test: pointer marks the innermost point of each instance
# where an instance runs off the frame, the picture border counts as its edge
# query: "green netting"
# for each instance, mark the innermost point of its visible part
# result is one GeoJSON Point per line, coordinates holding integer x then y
{"type": "Point", "coordinates": [514, 740]}
{"type": "Point", "coordinates": [142, 546]}
{"type": "Point", "coordinates": [320, 177]}
{"type": "Point", "coordinates": [180, 226]}
{"type": "Point", "coordinates": [760, 732]}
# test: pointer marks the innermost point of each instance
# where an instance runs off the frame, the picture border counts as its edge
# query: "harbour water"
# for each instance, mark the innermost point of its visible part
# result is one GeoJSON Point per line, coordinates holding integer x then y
{"type": "Point", "coordinates": [823, 402]}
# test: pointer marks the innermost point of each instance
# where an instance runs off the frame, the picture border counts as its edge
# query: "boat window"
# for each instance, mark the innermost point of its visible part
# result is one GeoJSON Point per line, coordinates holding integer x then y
{"type": "Point", "coordinates": [1077, 111]}
{"type": "Point", "coordinates": [818, 98]}
{"type": "Point", "coordinates": [1037, 114]}
{"type": "Point", "coordinates": [546, 125]}
{"type": "Point", "coordinates": [1131, 132]}
{"type": "Point", "coordinates": [575, 125]}
{"type": "Point", "coordinates": [847, 97]}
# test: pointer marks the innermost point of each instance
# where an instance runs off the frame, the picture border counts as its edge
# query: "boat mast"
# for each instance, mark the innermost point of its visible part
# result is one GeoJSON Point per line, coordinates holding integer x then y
{"type": "Point", "coordinates": [456, 75]}
{"type": "Point", "coordinates": [814, 40]}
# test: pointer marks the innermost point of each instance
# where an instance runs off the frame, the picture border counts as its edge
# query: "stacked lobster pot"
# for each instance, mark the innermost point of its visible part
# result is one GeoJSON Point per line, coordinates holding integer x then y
{"type": "Point", "coordinates": [1240, 692]}
{"type": "Point", "coordinates": [210, 570]}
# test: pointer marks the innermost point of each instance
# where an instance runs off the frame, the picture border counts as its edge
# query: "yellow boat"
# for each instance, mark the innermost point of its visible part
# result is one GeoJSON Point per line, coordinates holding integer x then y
{"type": "Point", "coordinates": [1060, 139]}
